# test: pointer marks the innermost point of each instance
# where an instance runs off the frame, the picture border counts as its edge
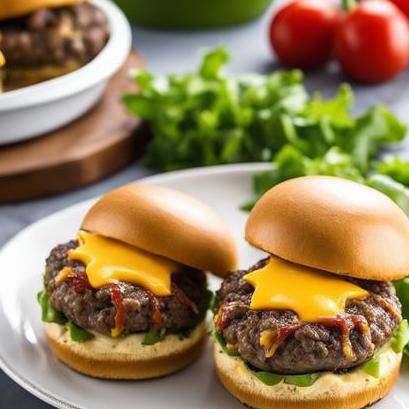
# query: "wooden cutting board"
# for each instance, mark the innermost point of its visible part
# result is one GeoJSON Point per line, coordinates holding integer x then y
{"type": "Point", "coordinates": [94, 146]}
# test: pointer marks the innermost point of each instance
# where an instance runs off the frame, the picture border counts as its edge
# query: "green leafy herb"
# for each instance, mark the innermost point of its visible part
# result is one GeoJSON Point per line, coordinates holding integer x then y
{"type": "Point", "coordinates": [401, 337]}
{"type": "Point", "coordinates": [213, 304]}
{"type": "Point", "coordinates": [402, 291]}
{"type": "Point", "coordinates": [396, 168]}
{"type": "Point", "coordinates": [390, 187]}
{"type": "Point", "coordinates": [48, 312]}
{"type": "Point", "coordinates": [398, 343]}
{"type": "Point", "coordinates": [221, 341]}
{"type": "Point", "coordinates": [268, 378]}
{"type": "Point", "coordinates": [372, 367]}
{"type": "Point", "coordinates": [271, 379]}
{"type": "Point", "coordinates": [303, 380]}
{"type": "Point", "coordinates": [153, 336]}
{"type": "Point", "coordinates": [207, 118]}
{"type": "Point", "coordinates": [78, 334]}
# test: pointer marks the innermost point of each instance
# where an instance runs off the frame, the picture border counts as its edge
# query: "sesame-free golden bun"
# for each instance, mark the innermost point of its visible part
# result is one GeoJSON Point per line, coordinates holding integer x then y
{"type": "Point", "coordinates": [332, 224]}
{"type": "Point", "coordinates": [16, 8]}
{"type": "Point", "coordinates": [353, 390]}
{"type": "Point", "coordinates": [126, 357]}
{"type": "Point", "coordinates": [167, 223]}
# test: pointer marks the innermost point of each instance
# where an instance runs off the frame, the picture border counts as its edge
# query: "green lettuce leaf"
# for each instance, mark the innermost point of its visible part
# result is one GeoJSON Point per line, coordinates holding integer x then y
{"type": "Point", "coordinates": [401, 337]}
{"type": "Point", "coordinates": [212, 302]}
{"type": "Point", "coordinates": [303, 380]}
{"type": "Point", "coordinates": [396, 168]}
{"type": "Point", "coordinates": [206, 117]}
{"type": "Point", "coordinates": [402, 291]}
{"type": "Point", "coordinates": [390, 187]}
{"type": "Point", "coordinates": [48, 312]}
{"type": "Point", "coordinates": [398, 344]}
{"type": "Point", "coordinates": [221, 341]}
{"type": "Point", "coordinates": [153, 336]}
{"type": "Point", "coordinates": [51, 315]}
{"type": "Point", "coordinates": [268, 378]}
{"type": "Point", "coordinates": [372, 367]}
{"type": "Point", "coordinates": [271, 379]}
{"type": "Point", "coordinates": [78, 334]}
{"type": "Point", "coordinates": [213, 62]}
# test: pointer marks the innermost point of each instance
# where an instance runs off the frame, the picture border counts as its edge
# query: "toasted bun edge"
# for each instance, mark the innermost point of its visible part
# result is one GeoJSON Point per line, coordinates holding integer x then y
{"type": "Point", "coordinates": [126, 357]}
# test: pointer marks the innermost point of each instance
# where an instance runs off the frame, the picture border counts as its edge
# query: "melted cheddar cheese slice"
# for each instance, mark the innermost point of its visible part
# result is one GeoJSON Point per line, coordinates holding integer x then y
{"type": "Point", "coordinates": [109, 260]}
{"type": "Point", "coordinates": [312, 294]}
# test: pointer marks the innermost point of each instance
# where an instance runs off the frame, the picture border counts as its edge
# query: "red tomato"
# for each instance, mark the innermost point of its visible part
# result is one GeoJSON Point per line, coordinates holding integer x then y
{"type": "Point", "coordinates": [302, 33]}
{"type": "Point", "coordinates": [372, 41]}
{"type": "Point", "coordinates": [403, 5]}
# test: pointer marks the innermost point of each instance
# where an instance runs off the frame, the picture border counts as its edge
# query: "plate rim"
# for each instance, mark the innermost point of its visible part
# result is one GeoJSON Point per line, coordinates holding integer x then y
{"type": "Point", "coordinates": [41, 393]}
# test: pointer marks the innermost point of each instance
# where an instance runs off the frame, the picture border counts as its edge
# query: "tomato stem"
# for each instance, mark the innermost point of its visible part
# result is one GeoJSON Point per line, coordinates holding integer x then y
{"type": "Point", "coordinates": [349, 5]}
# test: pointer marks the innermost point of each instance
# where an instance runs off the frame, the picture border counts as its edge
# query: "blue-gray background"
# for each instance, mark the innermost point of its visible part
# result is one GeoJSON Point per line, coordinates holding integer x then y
{"type": "Point", "coordinates": [170, 51]}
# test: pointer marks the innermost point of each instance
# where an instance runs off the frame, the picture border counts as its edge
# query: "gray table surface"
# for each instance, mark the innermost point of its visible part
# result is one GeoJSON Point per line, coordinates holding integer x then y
{"type": "Point", "coordinates": [164, 52]}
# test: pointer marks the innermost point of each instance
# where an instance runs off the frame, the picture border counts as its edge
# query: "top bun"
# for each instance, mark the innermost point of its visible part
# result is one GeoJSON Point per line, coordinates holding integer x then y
{"type": "Point", "coordinates": [16, 8]}
{"type": "Point", "coordinates": [335, 225]}
{"type": "Point", "coordinates": [167, 223]}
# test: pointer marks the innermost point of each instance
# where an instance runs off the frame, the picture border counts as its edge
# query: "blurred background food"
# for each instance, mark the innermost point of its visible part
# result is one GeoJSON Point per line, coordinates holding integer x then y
{"type": "Point", "coordinates": [192, 13]}
{"type": "Point", "coordinates": [40, 43]}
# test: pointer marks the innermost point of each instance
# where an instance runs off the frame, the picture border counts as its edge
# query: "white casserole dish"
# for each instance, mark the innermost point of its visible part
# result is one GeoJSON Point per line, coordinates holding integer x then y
{"type": "Point", "coordinates": [32, 111]}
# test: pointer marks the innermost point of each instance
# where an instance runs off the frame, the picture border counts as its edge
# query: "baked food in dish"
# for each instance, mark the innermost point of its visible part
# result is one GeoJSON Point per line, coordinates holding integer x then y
{"type": "Point", "coordinates": [44, 39]}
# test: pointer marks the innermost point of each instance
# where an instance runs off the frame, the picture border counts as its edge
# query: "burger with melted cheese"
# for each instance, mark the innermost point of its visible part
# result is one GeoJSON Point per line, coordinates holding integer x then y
{"type": "Point", "coordinates": [44, 39]}
{"type": "Point", "coordinates": [127, 298]}
{"type": "Point", "coordinates": [317, 323]}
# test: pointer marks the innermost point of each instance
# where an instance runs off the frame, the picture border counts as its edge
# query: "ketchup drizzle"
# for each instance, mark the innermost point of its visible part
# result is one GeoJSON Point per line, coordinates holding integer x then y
{"type": "Point", "coordinates": [277, 337]}
{"type": "Point", "coordinates": [155, 308]}
{"type": "Point", "coordinates": [345, 323]}
{"type": "Point", "coordinates": [225, 315]}
{"type": "Point", "coordinates": [80, 282]}
{"type": "Point", "coordinates": [388, 306]}
{"type": "Point", "coordinates": [184, 299]}
{"type": "Point", "coordinates": [118, 300]}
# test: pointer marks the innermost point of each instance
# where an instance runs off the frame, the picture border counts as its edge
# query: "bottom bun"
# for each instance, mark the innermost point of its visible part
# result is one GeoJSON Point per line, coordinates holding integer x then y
{"type": "Point", "coordinates": [353, 390]}
{"type": "Point", "coordinates": [126, 357]}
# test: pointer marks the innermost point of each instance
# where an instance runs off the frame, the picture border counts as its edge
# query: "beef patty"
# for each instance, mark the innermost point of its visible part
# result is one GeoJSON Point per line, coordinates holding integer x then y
{"type": "Point", "coordinates": [54, 36]}
{"type": "Point", "coordinates": [95, 309]}
{"type": "Point", "coordinates": [363, 327]}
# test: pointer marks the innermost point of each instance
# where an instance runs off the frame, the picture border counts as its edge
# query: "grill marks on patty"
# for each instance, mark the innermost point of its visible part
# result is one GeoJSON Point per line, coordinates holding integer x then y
{"type": "Point", "coordinates": [54, 36]}
{"type": "Point", "coordinates": [94, 309]}
{"type": "Point", "coordinates": [365, 326]}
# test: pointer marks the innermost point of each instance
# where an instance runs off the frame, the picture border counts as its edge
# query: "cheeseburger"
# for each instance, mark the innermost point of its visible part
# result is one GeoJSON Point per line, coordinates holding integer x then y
{"type": "Point", "coordinates": [43, 39]}
{"type": "Point", "coordinates": [127, 298]}
{"type": "Point", "coordinates": [317, 323]}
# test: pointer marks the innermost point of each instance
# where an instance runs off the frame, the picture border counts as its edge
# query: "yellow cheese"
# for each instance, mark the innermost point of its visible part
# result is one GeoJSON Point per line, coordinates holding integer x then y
{"type": "Point", "coordinates": [109, 260]}
{"type": "Point", "coordinates": [312, 294]}
{"type": "Point", "coordinates": [2, 59]}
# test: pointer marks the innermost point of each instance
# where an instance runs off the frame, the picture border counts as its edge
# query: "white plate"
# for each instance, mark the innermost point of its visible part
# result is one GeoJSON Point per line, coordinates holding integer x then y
{"type": "Point", "coordinates": [37, 109]}
{"type": "Point", "coordinates": [24, 354]}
